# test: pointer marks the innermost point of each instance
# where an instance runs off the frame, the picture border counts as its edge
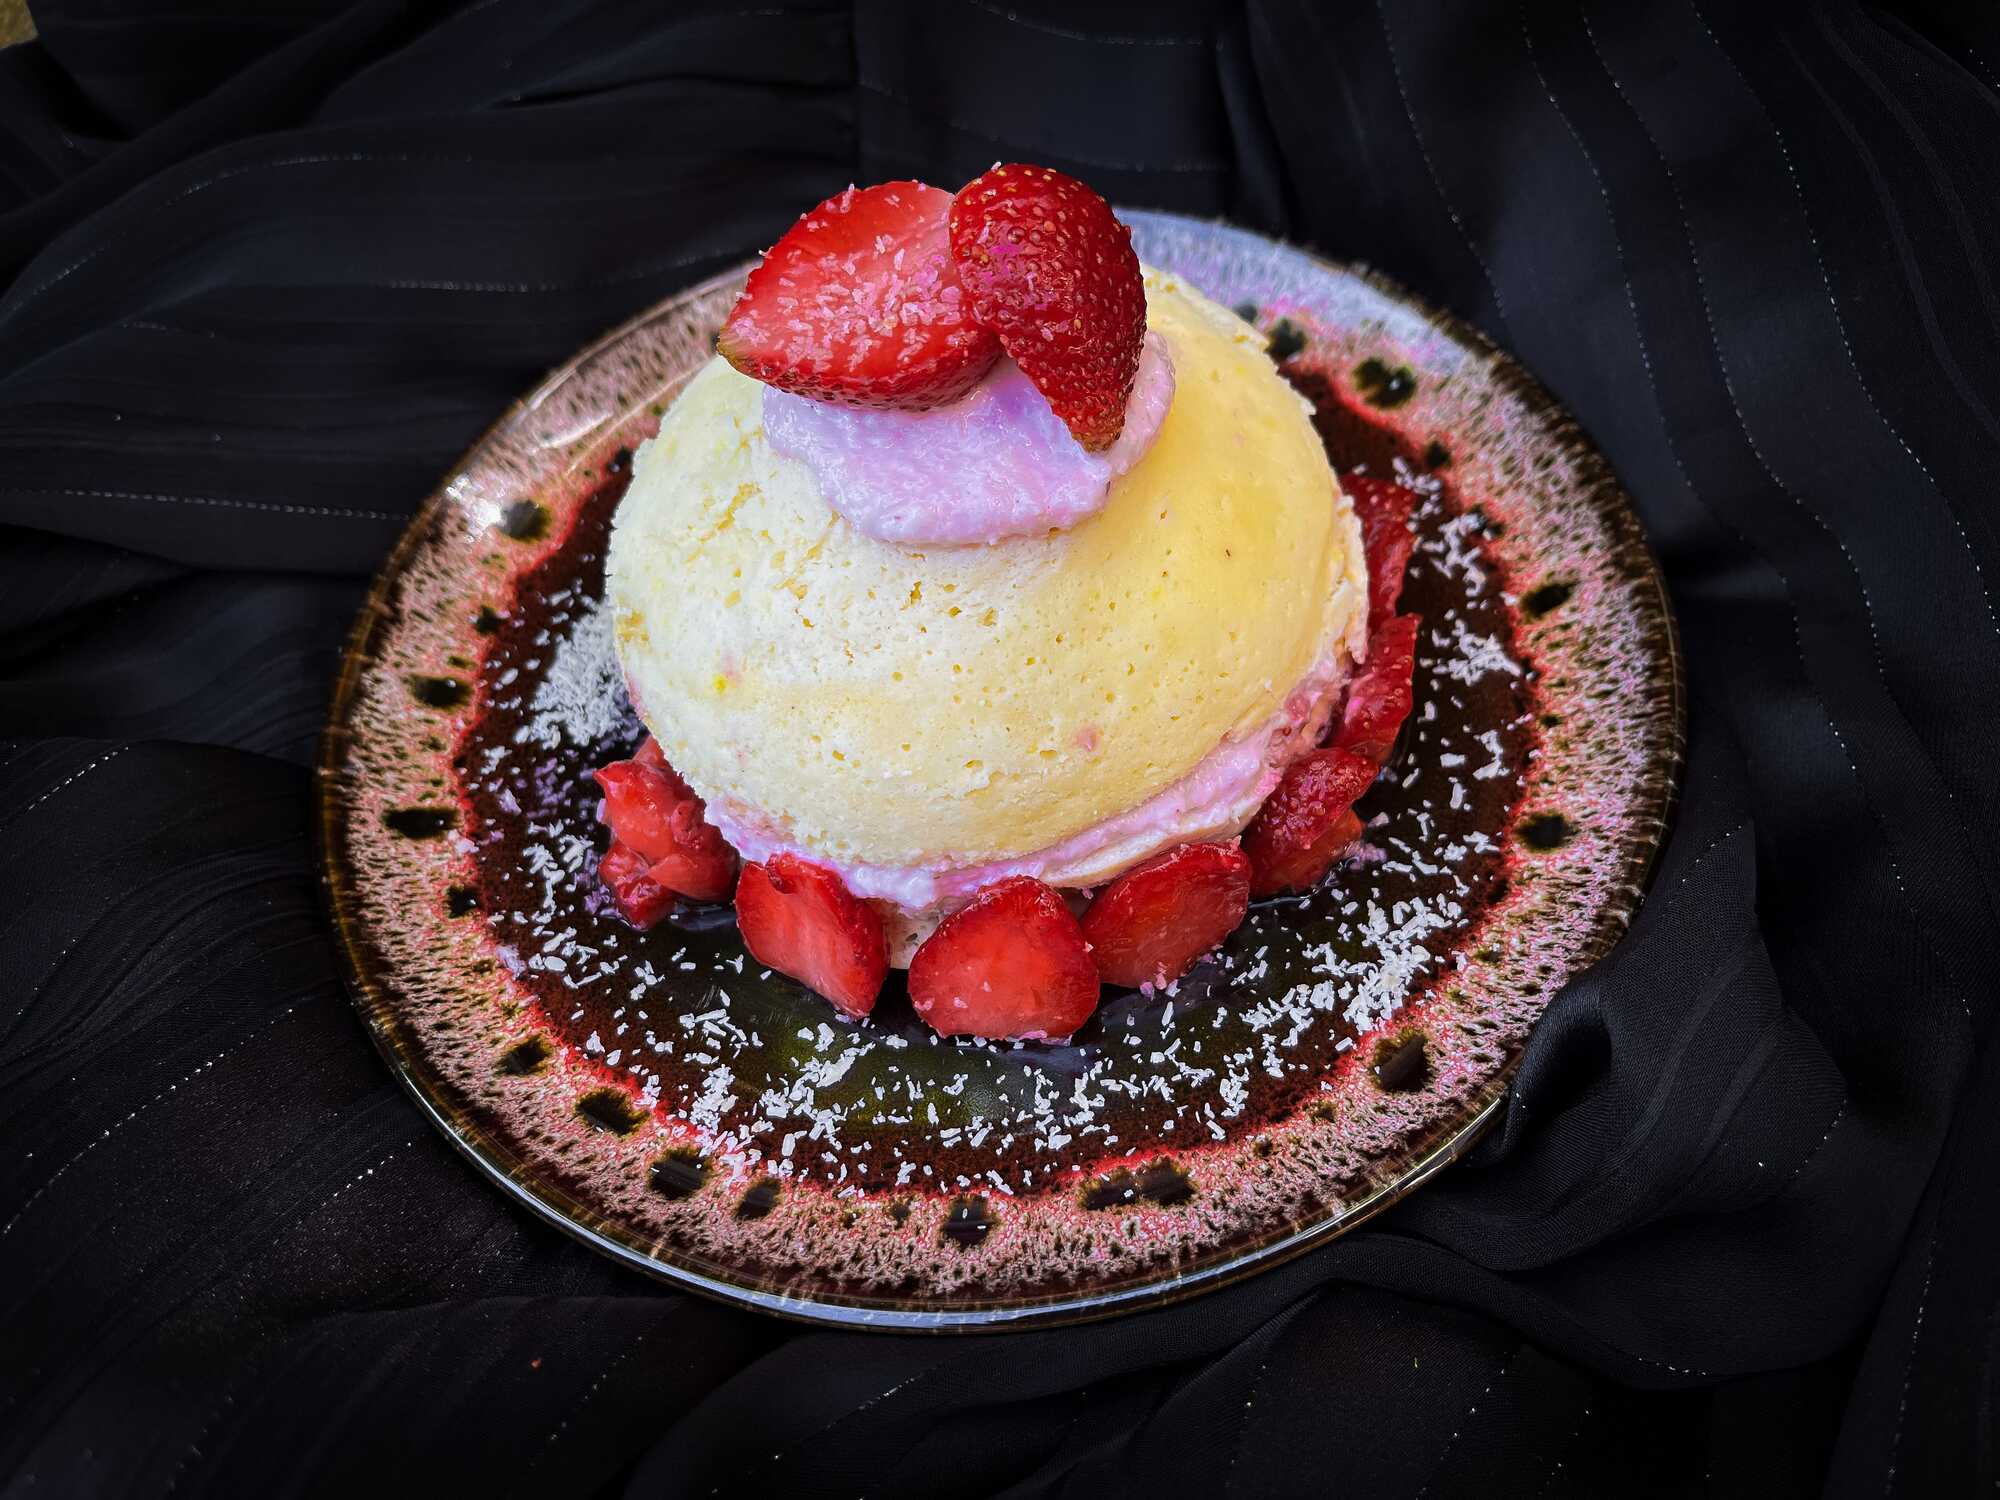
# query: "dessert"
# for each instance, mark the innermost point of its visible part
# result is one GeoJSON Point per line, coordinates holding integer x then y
{"type": "Point", "coordinates": [978, 596]}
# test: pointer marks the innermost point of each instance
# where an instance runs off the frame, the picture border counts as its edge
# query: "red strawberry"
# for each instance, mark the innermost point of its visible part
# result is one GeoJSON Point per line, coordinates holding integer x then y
{"type": "Point", "coordinates": [639, 800]}
{"type": "Point", "coordinates": [1384, 508]}
{"type": "Point", "coordinates": [1305, 824]}
{"type": "Point", "coordinates": [858, 304]}
{"type": "Point", "coordinates": [626, 874]}
{"type": "Point", "coordinates": [649, 753]}
{"type": "Point", "coordinates": [1012, 962]}
{"type": "Point", "coordinates": [652, 812]}
{"type": "Point", "coordinates": [701, 865]}
{"type": "Point", "coordinates": [798, 918]}
{"type": "Point", "coordinates": [1379, 699]}
{"type": "Point", "coordinates": [1050, 269]}
{"type": "Point", "coordinates": [1150, 924]}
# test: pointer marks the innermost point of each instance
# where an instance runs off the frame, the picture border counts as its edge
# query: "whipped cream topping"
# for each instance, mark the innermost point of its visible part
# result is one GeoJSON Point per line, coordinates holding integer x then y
{"type": "Point", "coordinates": [1013, 468]}
{"type": "Point", "coordinates": [1212, 801]}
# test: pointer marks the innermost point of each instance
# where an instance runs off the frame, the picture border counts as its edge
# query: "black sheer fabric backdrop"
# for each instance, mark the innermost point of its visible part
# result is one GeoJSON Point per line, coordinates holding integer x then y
{"type": "Point", "coordinates": [268, 269]}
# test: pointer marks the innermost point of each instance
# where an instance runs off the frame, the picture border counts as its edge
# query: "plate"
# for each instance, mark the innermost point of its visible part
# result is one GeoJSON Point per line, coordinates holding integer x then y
{"type": "Point", "coordinates": [662, 1098]}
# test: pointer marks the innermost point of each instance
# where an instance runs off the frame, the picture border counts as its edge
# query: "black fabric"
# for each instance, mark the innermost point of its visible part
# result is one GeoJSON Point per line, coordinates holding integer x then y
{"type": "Point", "coordinates": [267, 270]}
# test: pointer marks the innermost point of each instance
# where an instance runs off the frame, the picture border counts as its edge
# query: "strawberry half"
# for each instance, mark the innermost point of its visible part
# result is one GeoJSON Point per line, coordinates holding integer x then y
{"type": "Point", "coordinates": [1049, 268]}
{"type": "Point", "coordinates": [1150, 924]}
{"type": "Point", "coordinates": [800, 919]}
{"type": "Point", "coordinates": [858, 304]}
{"type": "Point", "coordinates": [1384, 509]}
{"type": "Point", "coordinates": [652, 812]}
{"type": "Point", "coordinates": [1380, 698]}
{"type": "Point", "coordinates": [626, 873]}
{"type": "Point", "coordinates": [1012, 962]}
{"type": "Point", "coordinates": [1305, 824]}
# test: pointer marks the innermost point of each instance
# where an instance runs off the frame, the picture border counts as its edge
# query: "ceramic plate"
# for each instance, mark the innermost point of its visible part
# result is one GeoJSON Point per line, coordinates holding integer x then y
{"type": "Point", "coordinates": [663, 1098]}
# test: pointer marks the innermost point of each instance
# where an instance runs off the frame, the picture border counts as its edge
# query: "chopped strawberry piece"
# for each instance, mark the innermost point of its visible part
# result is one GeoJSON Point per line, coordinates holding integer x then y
{"type": "Point", "coordinates": [639, 799]}
{"type": "Point", "coordinates": [701, 865]}
{"type": "Point", "coordinates": [1049, 268]}
{"type": "Point", "coordinates": [1305, 867]}
{"type": "Point", "coordinates": [652, 811]}
{"type": "Point", "coordinates": [858, 304]}
{"type": "Point", "coordinates": [1150, 924]}
{"type": "Point", "coordinates": [1012, 962]}
{"type": "Point", "coordinates": [1380, 697]}
{"type": "Point", "coordinates": [798, 918]}
{"type": "Point", "coordinates": [1384, 509]}
{"type": "Point", "coordinates": [649, 753]}
{"type": "Point", "coordinates": [1307, 822]}
{"type": "Point", "coordinates": [626, 873]}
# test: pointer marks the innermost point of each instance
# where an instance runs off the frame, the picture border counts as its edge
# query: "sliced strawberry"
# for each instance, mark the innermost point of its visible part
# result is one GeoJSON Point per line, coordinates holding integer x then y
{"type": "Point", "coordinates": [1049, 268]}
{"type": "Point", "coordinates": [626, 873]}
{"type": "Point", "coordinates": [858, 304]}
{"type": "Point", "coordinates": [701, 865]}
{"type": "Point", "coordinates": [1380, 697]}
{"type": "Point", "coordinates": [1150, 924]}
{"type": "Point", "coordinates": [652, 811]}
{"type": "Point", "coordinates": [639, 800]}
{"type": "Point", "coordinates": [1384, 509]}
{"type": "Point", "coordinates": [1305, 824]}
{"type": "Point", "coordinates": [649, 753]}
{"type": "Point", "coordinates": [798, 918]}
{"type": "Point", "coordinates": [1012, 962]}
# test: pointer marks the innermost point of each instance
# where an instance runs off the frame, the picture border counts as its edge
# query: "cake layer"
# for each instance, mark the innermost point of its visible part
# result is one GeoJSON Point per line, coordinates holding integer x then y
{"type": "Point", "coordinates": [905, 706]}
{"type": "Point", "coordinates": [1213, 801]}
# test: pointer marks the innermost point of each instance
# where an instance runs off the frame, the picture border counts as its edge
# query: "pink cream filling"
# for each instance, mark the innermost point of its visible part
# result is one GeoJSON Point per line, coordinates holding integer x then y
{"type": "Point", "coordinates": [1212, 801]}
{"type": "Point", "coordinates": [1014, 468]}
